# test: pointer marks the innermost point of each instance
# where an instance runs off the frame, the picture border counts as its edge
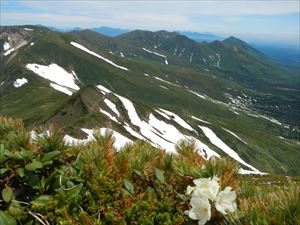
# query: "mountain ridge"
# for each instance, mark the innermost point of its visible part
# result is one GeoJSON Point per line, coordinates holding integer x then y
{"type": "Point", "coordinates": [150, 85]}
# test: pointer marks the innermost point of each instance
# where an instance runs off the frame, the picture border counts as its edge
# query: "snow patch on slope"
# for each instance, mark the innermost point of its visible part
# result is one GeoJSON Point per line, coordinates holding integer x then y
{"type": "Point", "coordinates": [273, 120]}
{"type": "Point", "coordinates": [219, 60]}
{"type": "Point", "coordinates": [236, 136]}
{"type": "Point", "coordinates": [120, 140]}
{"type": "Point", "coordinates": [133, 133]}
{"type": "Point", "coordinates": [20, 82]}
{"type": "Point", "coordinates": [6, 46]}
{"type": "Point", "coordinates": [156, 53]}
{"type": "Point", "coordinates": [249, 172]}
{"type": "Point", "coordinates": [9, 51]}
{"type": "Point", "coordinates": [159, 133]}
{"type": "Point", "coordinates": [177, 119]}
{"type": "Point", "coordinates": [164, 87]}
{"type": "Point", "coordinates": [196, 118]}
{"type": "Point", "coordinates": [214, 139]}
{"type": "Point", "coordinates": [112, 106]}
{"type": "Point", "coordinates": [191, 57]}
{"type": "Point", "coordinates": [109, 115]}
{"type": "Point", "coordinates": [81, 47]}
{"type": "Point", "coordinates": [195, 93]}
{"type": "Point", "coordinates": [61, 89]}
{"type": "Point", "coordinates": [157, 78]}
{"type": "Point", "coordinates": [56, 74]}
{"type": "Point", "coordinates": [103, 89]}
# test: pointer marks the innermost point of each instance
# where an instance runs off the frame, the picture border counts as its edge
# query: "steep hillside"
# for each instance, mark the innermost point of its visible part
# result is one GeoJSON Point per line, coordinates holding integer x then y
{"type": "Point", "coordinates": [138, 85]}
{"type": "Point", "coordinates": [275, 89]}
{"type": "Point", "coordinates": [112, 180]}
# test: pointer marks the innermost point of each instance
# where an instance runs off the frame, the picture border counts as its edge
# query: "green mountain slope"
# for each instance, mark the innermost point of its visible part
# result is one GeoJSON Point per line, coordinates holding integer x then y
{"type": "Point", "coordinates": [232, 109]}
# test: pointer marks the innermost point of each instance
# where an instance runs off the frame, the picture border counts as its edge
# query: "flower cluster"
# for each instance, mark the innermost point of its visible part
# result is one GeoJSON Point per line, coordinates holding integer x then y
{"type": "Point", "coordinates": [206, 192]}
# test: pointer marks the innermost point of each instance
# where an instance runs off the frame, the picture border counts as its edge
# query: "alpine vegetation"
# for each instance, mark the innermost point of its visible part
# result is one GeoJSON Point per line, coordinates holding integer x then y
{"type": "Point", "coordinates": [45, 181]}
{"type": "Point", "coordinates": [146, 127]}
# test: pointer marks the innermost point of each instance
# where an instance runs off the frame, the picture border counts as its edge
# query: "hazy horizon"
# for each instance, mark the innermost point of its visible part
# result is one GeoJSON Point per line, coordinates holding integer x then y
{"type": "Point", "coordinates": [272, 20]}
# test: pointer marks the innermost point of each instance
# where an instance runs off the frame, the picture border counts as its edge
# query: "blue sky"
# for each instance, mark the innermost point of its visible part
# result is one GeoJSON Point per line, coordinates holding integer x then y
{"type": "Point", "coordinates": [263, 20]}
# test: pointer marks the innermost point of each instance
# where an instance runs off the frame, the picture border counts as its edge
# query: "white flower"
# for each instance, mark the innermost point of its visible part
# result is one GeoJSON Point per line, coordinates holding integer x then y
{"type": "Point", "coordinates": [189, 190]}
{"type": "Point", "coordinates": [225, 201]}
{"type": "Point", "coordinates": [206, 187]}
{"type": "Point", "coordinates": [200, 210]}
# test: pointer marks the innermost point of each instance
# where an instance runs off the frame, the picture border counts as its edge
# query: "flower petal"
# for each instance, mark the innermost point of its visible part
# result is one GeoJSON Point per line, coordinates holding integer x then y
{"type": "Point", "coordinates": [225, 201]}
{"type": "Point", "coordinates": [201, 210]}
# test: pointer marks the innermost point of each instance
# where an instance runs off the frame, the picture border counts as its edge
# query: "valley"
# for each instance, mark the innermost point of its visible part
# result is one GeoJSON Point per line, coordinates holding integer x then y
{"type": "Point", "coordinates": [161, 87]}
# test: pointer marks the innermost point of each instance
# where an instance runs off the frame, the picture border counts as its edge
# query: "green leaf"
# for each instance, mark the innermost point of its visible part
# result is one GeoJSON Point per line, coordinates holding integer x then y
{"type": "Point", "coordinates": [4, 170]}
{"type": "Point", "coordinates": [21, 172]}
{"type": "Point", "coordinates": [7, 194]}
{"type": "Point", "coordinates": [50, 155]}
{"type": "Point", "coordinates": [41, 200]}
{"type": "Point", "coordinates": [128, 186]}
{"type": "Point", "coordinates": [16, 209]}
{"type": "Point", "coordinates": [2, 153]}
{"type": "Point", "coordinates": [137, 172]}
{"type": "Point", "coordinates": [159, 174]}
{"type": "Point", "coordinates": [75, 190]}
{"type": "Point", "coordinates": [18, 155]}
{"type": "Point", "coordinates": [34, 166]}
{"type": "Point", "coordinates": [181, 196]}
{"type": "Point", "coordinates": [7, 219]}
{"type": "Point", "coordinates": [26, 154]}
{"type": "Point", "coordinates": [8, 153]}
{"type": "Point", "coordinates": [79, 161]}
{"type": "Point", "coordinates": [47, 163]}
{"type": "Point", "coordinates": [32, 178]}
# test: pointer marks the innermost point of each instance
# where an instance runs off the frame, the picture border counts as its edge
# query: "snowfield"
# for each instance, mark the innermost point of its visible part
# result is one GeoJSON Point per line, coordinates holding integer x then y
{"type": "Point", "coordinates": [158, 54]}
{"type": "Point", "coordinates": [214, 139]}
{"type": "Point", "coordinates": [112, 106]}
{"type": "Point", "coordinates": [246, 172]}
{"type": "Point", "coordinates": [236, 136]}
{"type": "Point", "coordinates": [20, 82]}
{"type": "Point", "coordinates": [157, 132]}
{"type": "Point", "coordinates": [219, 60]}
{"type": "Point", "coordinates": [9, 51]}
{"type": "Point", "coordinates": [6, 46]}
{"type": "Point", "coordinates": [196, 118]}
{"type": "Point", "coordinates": [63, 81]}
{"type": "Point", "coordinates": [273, 120]}
{"type": "Point", "coordinates": [191, 57]}
{"type": "Point", "coordinates": [177, 119]}
{"type": "Point", "coordinates": [81, 47]}
{"type": "Point", "coordinates": [61, 89]}
{"type": "Point", "coordinates": [120, 140]}
{"type": "Point", "coordinates": [161, 134]}
{"type": "Point", "coordinates": [157, 78]}
{"type": "Point", "coordinates": [109, 115]}
{"type": "Point", "coordinates": [164, 87]}
{"type": "Point", "coordinates": [103, 89]}
{"type": "Point", "coordinates": [195, 93]}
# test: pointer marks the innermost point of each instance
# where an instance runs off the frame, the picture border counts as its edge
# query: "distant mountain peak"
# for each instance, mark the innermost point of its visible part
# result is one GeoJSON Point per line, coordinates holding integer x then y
{"type": "Point", "coordinates": [239, 43]}
{"type": "Point", "coordinates": [233, 40]}
{"type": "Point", "coordinates": [110, 31]}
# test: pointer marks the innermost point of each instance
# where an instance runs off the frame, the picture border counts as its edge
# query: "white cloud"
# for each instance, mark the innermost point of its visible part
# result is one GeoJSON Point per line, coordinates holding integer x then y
{"type": "Point", "coordinates": [151, 15]}
{"type": "Point", "coordinates": [96, 8]}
